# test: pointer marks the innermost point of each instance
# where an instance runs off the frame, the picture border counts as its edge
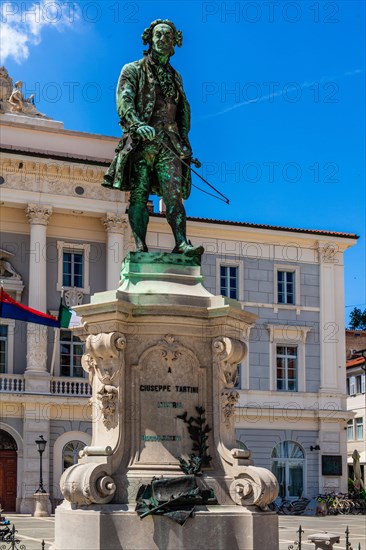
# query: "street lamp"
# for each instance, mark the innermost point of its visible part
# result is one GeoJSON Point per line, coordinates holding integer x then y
{"type": "Point", "coordinates": [41, 445]}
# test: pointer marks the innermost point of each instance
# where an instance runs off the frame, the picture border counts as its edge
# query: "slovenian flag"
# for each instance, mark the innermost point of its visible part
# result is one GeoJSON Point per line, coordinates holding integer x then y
{"type": "Point", "coordinates": [11, 309]}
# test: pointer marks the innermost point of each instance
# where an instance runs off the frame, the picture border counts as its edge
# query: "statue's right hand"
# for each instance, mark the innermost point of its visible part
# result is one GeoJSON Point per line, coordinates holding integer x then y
{"type": "Point", "coordinates": [146, 132]}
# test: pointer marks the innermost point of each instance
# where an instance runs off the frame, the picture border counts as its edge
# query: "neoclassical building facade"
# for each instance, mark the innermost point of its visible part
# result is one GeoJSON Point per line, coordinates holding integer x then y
{"type": "Point", "coordinates": [62, 231]}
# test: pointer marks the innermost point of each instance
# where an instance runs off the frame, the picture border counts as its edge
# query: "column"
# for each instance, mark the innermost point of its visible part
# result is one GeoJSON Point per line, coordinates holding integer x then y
{"type": "Point", "coordinates": [115, 225]}
{"type": "Point", "coordinates": [38, 216]}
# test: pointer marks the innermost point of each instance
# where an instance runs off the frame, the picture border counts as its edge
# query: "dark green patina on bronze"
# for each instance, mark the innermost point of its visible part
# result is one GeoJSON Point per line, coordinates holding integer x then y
{"type": "Point", "coordinates": [174, 497]}
{"type": "Point", "coordinates": [198, 432]}
{"type": "Point", "coordinates": [155, 119]}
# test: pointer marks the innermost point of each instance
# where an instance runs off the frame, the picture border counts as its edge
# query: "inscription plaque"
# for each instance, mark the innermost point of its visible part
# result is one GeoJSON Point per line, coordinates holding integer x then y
{"type": "Point", "coordinates": [168, 382]}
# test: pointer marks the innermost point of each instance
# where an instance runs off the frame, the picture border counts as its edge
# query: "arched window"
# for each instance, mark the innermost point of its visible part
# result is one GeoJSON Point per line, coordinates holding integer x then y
{"type": "Point", "coordinates": [7, 442]}
{"type": "Point", "coordinates": [70, 453]}
{"type": "Point", "coordinates": [288, 459]}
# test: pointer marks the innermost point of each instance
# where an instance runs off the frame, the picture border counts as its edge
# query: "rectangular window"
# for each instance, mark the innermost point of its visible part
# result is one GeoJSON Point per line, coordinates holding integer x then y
{"type": "Point", "coordinates": [229, 281]}
{"type": "Point", "coordinates": [72, 269]}
{"type": "Point", "coordinates": [358, 384]}
{"type": "Point", "coordinates": [71, 351]}
{"type": "Point", "coordinates": [352, 385]}
{"type": "Point", "coordinates": [350, 435]}
{"type": "Point", "coordinates": [286, 287]}
{"type": "Point", "coordinates": [359, 428]}
{"type": "Point", "coordinates": [286, 358]}
{"type": "Point", "coordinates": [3, 348]}
{"type": "Point", "coordinates": [363, 383]}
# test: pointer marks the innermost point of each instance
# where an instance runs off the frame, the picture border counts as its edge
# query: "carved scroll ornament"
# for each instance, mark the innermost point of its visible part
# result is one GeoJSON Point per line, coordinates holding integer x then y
{"type": "Point", "coordinates": [84, 484]}
{"type": "Point", "coordinates": [228, 353]}
{"type": "Point", "coordinates": [104, 360]}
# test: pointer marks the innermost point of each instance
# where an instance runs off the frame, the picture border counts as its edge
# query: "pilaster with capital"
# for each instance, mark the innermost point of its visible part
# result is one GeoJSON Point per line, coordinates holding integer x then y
{"type": "Point", "coordinates": [250, 484]}
{"type": "Point", "coordinates": [331, 315]}
{"type": "Point", "coordinates": [38, 216]}
{"type": "Point", "coordinates": [115, 226]}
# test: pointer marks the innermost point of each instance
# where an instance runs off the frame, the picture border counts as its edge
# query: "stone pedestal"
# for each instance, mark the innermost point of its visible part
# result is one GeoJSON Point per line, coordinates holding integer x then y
{"type": "Point", "coordinates": [42, 505]}
{"type": "Point", "coordinates": [119, 528]}
{"type": "Point", "coordinates": [324, 541]}
{"type": "Point", "coordinates": [158, 350]}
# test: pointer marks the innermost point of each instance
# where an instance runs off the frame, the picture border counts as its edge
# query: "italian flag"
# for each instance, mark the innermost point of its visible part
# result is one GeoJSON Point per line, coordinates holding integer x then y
{"type": "Point", "coordinates": [64, 315]}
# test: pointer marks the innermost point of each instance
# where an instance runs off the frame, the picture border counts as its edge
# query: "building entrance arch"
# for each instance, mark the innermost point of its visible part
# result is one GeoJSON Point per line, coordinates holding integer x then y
{"type": "Point", "coordinates": [8, 471]}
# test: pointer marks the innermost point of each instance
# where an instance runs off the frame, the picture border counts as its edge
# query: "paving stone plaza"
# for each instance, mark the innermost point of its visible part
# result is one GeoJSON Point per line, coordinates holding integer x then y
{"type": "Point", "coordinates": [32, 531]}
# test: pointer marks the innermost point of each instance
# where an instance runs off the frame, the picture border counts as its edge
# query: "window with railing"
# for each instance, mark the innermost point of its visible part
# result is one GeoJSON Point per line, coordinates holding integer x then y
{"type": "Point", "coordinates": [71, 351]}
{"type": "Point", "coordinates": [3, 348]}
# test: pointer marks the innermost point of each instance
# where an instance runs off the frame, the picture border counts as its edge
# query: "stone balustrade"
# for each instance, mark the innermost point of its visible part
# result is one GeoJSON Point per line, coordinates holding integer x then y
{"type": "Point", "coordinates": [12, 383]}
{"type": "Point", "coordinates": [70, 386]}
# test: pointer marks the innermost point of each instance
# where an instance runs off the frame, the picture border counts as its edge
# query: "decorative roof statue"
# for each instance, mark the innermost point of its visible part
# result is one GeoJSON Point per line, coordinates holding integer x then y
{"type": "Point", "coordinates": [6, 85]}
{"type": "Point", "coordinates": [12, 99]}
{"type": "Point", "coordinates": [154, 154]}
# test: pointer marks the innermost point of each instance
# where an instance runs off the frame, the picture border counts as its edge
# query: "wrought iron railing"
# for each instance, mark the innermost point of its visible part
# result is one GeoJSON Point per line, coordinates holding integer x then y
{"type": "Point", "coordinates": [10, 541]}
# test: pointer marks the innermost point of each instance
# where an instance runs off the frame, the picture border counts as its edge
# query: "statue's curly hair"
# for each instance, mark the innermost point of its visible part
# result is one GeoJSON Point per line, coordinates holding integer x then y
{"type": "Point", "coordinates": [147, 34]}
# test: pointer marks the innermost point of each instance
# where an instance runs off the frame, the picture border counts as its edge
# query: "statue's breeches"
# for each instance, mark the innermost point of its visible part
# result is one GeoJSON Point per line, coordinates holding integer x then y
{"type": "Point", "coordinates": [150, 161]}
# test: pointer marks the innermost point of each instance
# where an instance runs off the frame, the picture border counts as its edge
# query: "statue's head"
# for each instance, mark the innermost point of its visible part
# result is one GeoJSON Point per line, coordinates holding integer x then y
{"type": "Point", "coordinates": [19, 84]}
{"type": "Point", "coordinates": [162, 36]}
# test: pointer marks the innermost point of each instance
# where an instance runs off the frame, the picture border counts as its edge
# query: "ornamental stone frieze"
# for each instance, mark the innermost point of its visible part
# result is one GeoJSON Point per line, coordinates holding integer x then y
{"type": "Point", "coordinates": [55, 177]}
{"type": "Point", "coordinates": [38, 214]}
{"type": "Point", "coordinates": [327, 253]}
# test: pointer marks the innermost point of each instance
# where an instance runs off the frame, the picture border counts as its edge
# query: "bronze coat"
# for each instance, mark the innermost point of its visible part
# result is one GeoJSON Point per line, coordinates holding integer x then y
{"type": "Point", "coordinates": [135, 105]}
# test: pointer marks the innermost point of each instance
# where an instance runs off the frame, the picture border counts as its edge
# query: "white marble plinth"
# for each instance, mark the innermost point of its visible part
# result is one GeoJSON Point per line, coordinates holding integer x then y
{"type": "Point", "coordinates": [162, 353]}
{"type": "Point", "coordinates": [113, 527]}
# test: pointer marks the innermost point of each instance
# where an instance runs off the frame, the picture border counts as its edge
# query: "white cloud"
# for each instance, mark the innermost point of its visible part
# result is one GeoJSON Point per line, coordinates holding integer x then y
{"type": "Point", "coordinates": [22, 24]}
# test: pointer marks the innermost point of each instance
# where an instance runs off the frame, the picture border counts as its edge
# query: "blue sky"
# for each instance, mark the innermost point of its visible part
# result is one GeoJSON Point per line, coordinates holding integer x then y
{"type": "Point", "coordinates": [277, 91]}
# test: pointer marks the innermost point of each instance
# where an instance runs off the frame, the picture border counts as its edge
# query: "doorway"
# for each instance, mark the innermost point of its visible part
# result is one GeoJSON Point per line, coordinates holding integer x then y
{"type": "Point", "coordinates": [8, 472]}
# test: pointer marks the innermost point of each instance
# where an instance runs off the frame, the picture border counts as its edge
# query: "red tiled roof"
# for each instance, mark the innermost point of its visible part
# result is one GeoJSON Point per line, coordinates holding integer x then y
{"type": "Point", "coordinates": [269, 227]}
{"type": "Point", "coordinates": [355, 362]}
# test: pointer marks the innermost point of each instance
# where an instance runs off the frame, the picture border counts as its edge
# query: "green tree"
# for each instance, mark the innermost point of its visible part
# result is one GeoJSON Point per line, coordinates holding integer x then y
{"type": "Point", "coordinates": [357, 319]}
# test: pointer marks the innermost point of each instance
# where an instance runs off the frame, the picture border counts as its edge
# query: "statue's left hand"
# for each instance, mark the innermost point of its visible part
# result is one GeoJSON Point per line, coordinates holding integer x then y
{"type": "Point", "coordinates": [186, 151]}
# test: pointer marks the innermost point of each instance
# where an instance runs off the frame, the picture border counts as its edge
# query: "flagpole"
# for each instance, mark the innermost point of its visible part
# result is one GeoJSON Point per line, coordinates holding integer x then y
{"type": "Point", "coordinates": [56, 342]}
